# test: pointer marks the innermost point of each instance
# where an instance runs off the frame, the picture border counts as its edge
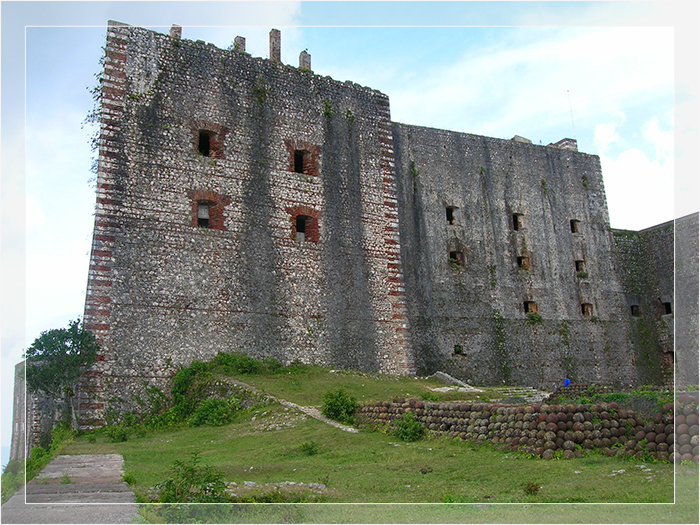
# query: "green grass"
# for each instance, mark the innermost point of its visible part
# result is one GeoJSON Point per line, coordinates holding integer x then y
{"type": "Point", "coordinates": [459, 481]}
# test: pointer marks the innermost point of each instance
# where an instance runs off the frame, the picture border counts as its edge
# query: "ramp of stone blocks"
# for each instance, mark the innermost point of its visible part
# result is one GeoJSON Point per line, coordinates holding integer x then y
{"type": "Point", "coordinates": [75, 489]}
{"type": "Point", "coordinates": [529, 394]}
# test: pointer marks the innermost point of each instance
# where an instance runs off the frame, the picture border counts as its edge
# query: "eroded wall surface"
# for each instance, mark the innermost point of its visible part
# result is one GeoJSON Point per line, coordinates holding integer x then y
{"type": "Point", "coordinates": [299, 255]}
{"type": "Point", "coordinates": [528, 231]}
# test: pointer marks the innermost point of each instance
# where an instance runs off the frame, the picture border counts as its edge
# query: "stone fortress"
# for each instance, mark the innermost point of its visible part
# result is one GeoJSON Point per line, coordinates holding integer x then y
{"type": "Point", "coordinates": [245, 205]}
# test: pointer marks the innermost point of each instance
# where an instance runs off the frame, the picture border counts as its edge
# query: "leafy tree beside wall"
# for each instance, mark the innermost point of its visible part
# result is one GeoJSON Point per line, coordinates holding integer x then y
{"type": "Point", "coordinates": [55, 361]}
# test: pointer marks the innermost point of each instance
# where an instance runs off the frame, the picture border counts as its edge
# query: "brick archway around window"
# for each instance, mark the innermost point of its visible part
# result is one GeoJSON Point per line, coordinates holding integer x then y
{"type": "Point", "coordinates": [211, 132]}
{"type": "Point", "coordinates": [216, 204]}
{"type": "Point", "coordinates": [310, 217]}
{"type": "Point", "coordinates": [303, 157]}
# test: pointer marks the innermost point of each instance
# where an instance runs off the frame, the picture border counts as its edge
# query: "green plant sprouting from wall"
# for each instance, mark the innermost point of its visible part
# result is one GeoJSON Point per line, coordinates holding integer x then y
{"type": "Point", "coordinates": [327, 108]}
{"type": "Point", "coordinates": [414, 176]}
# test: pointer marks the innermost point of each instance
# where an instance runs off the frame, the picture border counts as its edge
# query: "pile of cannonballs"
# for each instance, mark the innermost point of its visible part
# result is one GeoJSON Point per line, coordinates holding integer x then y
{"type": "Point", "coordinates": [543, 430]}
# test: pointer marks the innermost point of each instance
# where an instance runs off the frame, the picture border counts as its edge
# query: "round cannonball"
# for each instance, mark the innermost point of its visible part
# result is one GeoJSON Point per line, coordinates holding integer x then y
{"type": "Point", "coordinates": [682, 429]}
{"type": "Point", "coordinates": [662, 447]}
{"type": "Point", "coordinates": [691, 420]}
{"type": "Point", "coordinates": [684, 439]}
{"type": "Point", "coordinates": [693, 430]}
{"type": "Point", "coordinates": [548, 454]}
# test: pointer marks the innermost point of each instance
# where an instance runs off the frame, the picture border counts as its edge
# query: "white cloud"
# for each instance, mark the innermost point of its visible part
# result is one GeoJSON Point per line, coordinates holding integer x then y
{"type": "Point", "coordinates": [662, 140]}
{"type": "Point", "coordinates": [605, 135]}
{"type": "Point", "coordinates": [639, 190]}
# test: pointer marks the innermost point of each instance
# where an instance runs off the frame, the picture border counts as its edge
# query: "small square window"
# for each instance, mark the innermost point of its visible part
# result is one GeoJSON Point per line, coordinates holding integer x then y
{"type": "Point", "coordinates": [456, 258]}
{"type": "Point", "coordinates": [518, 223]}
{"type": "Point", "coordinates": [586, 309]}
{"type": "Point", "coordinates": [450, 213]}
{"type": "Point", "coordinates": [580, 266]}
{"type": "Point", "coordinates": [635, 310]}
{"type": "Point", "coordinates": [667, 308]}
{"type": "Point", "coordinates": [524, 263]}
{"type": "Point", "coordinates": [574, 225]}
{"type": "Point", "coordinates": [530, 307]}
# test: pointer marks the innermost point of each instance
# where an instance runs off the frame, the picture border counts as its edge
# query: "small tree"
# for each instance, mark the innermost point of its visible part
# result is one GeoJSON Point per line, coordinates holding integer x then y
{"type": "Point", "coordinates": [55, 360]}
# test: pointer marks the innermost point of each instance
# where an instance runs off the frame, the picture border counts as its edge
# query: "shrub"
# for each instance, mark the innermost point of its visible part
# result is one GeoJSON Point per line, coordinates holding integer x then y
{"type": "Point", "coordinates": [339, 405]}
{"type": "Point", "coordinates": [117, 434]}
{"type": "Point", "coordinates": [215, 412]}
{"type": "Point", "coordinates": [192, 483]}
{"type": "Point", "coordinates": [429, 396]}
{"type": "Point", "coordinates": [408, 429]}
{"type": "Point", "coordinates": [309, 448]}
{"type": "Point", "coordinates": [531, 489]}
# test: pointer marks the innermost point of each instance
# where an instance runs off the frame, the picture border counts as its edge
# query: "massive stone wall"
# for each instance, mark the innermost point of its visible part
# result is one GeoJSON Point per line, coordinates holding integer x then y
{"type": "Point", "coordinates": [647, 268]}
{"type": "Point", "coordinates": [247, 205]}
{"type": "Point", "coordinates": [243, 205]}
{"type": "Point", "coordinates": [489, 227]}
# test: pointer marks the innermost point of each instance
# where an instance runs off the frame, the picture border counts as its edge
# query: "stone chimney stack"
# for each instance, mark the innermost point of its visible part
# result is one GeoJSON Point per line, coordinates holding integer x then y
{"type": "Point", "coordinates": [275, 45]}
{"type": "Point", "coordinates": [239, 44]}
{"type": "Point", "coordinates": [176, 32]}
{"type": "Point", "coordinates": [304, 60]}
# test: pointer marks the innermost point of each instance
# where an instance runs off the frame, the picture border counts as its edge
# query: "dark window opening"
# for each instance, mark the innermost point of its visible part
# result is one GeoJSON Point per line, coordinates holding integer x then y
{"type": "Point", "coordinates": [580, 266]}
{"type": "Point", "coordinates": [518, 221]}
{"type": "Point", "coordinates": [301, 227]}
{"type": "Point", "coordinates": [456, 258]}
{"type": "Point", "coordinates": [530, 307]}
{"type": "Point", "coordinates": [524, 263]}
{"type": "Point", "coordinates": [450, 212]}
{"type": "Point", "coordinates": [586, 309]}
{"type": "Point", "coordinates": [458, 350]}
{"type": "Point", "coordinates": [667, 308]}
{"type": "Point", "coordinates": [574, 225]}
{"type": "Point", "coordinates": [299, 160]}
{"type": "Point", "coordinates": [635, 310]}
{"type": "Point", "coordinates": [203, 215]}
{"type": "Point", "coordinates": [204, 143]}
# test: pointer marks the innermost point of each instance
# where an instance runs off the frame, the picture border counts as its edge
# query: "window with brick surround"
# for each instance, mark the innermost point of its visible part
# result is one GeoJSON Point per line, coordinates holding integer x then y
{"type": "Point", "coordinates": [573, 224]}
{"type": "Point", "coordinates": [530, 307]}
{"type": "Point", "coordinates": [207, 209]}
{"type": "Point", "coordinates": [518, 222]}
{"type": "Point", "coordinates": [304, 221]}
{"type": "Point", "coordinates": [586, 309]}
{"type": "Point", "coordinates": [524, 262]}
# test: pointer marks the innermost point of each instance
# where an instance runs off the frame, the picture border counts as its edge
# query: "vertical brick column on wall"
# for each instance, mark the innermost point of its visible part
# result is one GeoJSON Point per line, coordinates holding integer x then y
{"type": "Point", "coordinates": [98, 300]}
{"type": "Point", "coordinates": [403, 360]}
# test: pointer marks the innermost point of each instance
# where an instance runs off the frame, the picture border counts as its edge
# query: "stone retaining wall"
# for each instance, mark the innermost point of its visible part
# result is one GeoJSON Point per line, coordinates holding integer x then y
{"type": "Point", "coordinates": [545, 429]}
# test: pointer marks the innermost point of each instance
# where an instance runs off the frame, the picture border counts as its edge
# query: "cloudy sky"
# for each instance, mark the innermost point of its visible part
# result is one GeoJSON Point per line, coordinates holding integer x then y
{"type": "Point", "coordinates": [617, 76]}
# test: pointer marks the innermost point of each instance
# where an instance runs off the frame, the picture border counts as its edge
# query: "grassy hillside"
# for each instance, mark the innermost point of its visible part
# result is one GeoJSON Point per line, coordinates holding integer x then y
{"type": "Point", "coordinates": [292, 457]}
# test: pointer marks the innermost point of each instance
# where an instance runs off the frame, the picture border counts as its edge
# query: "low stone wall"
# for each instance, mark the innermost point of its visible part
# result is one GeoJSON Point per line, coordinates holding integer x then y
{"type": "Point", "coordinates": [545, 429]}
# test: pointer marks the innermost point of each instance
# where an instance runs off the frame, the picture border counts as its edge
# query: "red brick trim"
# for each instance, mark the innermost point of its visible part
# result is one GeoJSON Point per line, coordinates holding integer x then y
{"type": "Point", "coordinates": [312, 155]}
{"type": "Point", "coordinates": [217, 135]}
{"type": "Point", "coordinates": [216, 202]}
{"type": "Point", "coordinates": [313, 233]}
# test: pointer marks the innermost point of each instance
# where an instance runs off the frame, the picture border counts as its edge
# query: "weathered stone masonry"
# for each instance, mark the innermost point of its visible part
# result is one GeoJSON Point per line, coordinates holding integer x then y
{"type": "Point", "coordinates": [293, 176]}
{"type": "Point", "coordinates": [247, 205]}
